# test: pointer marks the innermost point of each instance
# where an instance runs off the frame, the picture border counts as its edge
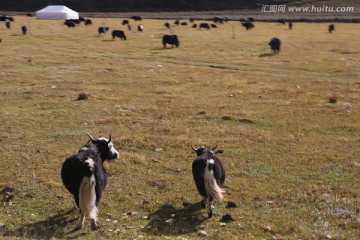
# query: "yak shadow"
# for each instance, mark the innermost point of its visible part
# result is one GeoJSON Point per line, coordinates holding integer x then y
{"type": "Point", "coordinates": [267, 55]}
{"type": "Point", "coordinates": [163, 48]}
{"type": "Point", "coordinates": [52, 227]}
{"type": "Point", "coordinates": [168, 48]}
{"type": "Point", "coordinates": [171, 221]}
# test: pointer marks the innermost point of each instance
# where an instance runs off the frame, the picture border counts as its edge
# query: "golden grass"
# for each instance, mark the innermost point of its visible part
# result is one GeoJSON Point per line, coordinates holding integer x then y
{"type": "Point", "coordinates": [291, 156]}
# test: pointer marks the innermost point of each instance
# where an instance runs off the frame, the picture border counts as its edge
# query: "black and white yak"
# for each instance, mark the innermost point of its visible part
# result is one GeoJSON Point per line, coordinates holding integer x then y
{"type": "Point", "coordinates": [209, 176]}
{"type": "Point", "coordinates": [102, 30]}
{"type": "Point", "coordinates": [84, 176]}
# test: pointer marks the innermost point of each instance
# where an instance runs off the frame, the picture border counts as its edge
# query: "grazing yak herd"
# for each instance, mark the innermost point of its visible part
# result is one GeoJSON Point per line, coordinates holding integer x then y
{"type": "Point", "coordinates": [172, 39]}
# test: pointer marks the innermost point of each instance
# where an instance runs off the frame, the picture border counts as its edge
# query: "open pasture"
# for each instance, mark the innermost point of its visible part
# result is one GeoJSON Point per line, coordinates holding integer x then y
{"type": "Point", "coordinates": [292, 156]}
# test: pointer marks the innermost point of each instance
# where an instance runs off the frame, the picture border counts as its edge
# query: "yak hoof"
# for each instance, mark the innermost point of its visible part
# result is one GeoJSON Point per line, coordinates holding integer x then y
{"type": "Point", "coordinates": [203, 204]}
{"type": "Point", "coordinates": [94, 226]}
{"type": "Point", "coordinates": [78, 227]}
{"type": "Point", "coordinates": [210, 214]}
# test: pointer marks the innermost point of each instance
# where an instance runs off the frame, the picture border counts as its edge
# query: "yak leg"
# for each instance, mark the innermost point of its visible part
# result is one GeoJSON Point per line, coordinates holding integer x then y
{"type": "Point", "coordinates": [203, 202]}
{"type": "Point", "coordinates": [81, 221]}
{"type": "Point", "coordinates": [93, 217]}
{"type": "Point", "coordinates": [210, 207]}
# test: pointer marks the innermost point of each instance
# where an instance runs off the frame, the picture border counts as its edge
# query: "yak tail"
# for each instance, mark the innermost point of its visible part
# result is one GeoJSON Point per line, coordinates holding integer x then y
{"type": "Point", "coordinates": [87, 197]}
{"type": "Point", "coordinates": [211, 186]}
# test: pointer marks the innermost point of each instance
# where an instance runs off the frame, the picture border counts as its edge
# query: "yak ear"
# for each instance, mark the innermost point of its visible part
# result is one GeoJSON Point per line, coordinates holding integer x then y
{"type": "Point", "coordinates": [195, 150]}
{"type": "Point", "coordinates": [214, 147]}
{"type": "Point", "coordinates": [219, 151]}
{"type": "Point", "coordinates": [91, 138]}
{"type": "Point", "coordinates": [109, 139]}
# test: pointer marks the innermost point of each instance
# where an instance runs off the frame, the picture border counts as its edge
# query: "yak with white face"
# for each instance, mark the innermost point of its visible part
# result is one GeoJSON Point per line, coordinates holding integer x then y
{"type": "Point", "coordinates": [84, 176]}
{"type": "Point", "coordinates": [209, 175]}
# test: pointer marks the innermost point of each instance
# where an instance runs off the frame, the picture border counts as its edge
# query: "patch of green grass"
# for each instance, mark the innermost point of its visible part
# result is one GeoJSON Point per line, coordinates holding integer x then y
{"type": "Point", "coordinates": [257, 171]}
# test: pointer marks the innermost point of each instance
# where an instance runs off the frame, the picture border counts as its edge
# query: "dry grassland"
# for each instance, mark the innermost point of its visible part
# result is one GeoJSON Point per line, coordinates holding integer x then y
{"type": "Point", "coordinates": [292, 157]}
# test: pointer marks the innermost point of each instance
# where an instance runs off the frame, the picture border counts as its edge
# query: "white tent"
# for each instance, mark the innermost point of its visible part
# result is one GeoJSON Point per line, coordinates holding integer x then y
{"type": "Point", "coordinates": [56, 12]}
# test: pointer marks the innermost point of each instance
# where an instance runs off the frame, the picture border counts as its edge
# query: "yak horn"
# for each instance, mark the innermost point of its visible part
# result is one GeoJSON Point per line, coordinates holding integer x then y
{"type": "Point", "coordinates": [193, 148]}
{"type": "Point", "coordinates": [215, 147]}
{"type": "Point", "coordinates": [109, 139]}
{"type": "Point", "coordinates": [91, 138]}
